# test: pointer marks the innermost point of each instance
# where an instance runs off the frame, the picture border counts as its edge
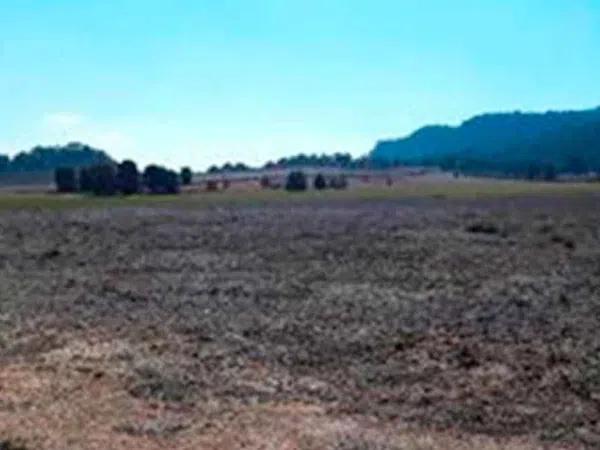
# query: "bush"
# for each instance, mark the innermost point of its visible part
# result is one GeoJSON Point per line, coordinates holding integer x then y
{"type": "Point", "coordinates": [186, 176]}
{"type": "Point", "coordinates": [128, 178]}
{"type": "Point", "coordinates": [103, 180]}
{"type": "Point", "coordinates": [320, 182]}
{"type": "Point", "coordinates": [65, 179]}
{"type": "Point", "coordinates": [159, 180]}
{"type": "Point", "coordinates": [296, 181]}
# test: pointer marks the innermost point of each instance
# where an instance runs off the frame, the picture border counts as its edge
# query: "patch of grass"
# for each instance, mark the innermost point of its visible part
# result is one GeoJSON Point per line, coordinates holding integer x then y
{"type": "Point", "coordinates": [154, 428]}
{"type": "Point", "coordinates": [347, 441]}
{"type": "Point", "coordinates": [413, 189]}
{"type": "Point", "coordinates": [157, 381]}
{"type": "Point", "coordinates": [361, 444]}
{"type": "Point", "coordinates": [585, 380]}
{"type": "Point", "coordinates": [58, 202]}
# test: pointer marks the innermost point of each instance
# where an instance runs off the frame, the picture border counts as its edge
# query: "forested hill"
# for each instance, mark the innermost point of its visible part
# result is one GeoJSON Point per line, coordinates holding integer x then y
{"type": "Point", "coordinates": [41, 158]}
{"type": "Point", "coordinates": [510, 143]}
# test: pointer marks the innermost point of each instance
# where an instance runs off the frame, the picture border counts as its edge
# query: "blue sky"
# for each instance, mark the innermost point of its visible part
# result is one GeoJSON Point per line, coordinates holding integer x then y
{"type": "Point", "coordinates": [201, 82]}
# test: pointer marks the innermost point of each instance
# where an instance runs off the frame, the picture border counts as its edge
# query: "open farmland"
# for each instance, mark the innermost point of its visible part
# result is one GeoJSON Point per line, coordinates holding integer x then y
{"type": "Point", "coordinates": [362, 320]}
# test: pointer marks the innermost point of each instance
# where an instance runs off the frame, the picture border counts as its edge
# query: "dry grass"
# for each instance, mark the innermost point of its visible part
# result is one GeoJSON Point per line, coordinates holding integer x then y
{"type": "Point", "coordinates": [408, 188]}
{"type": "Point", "coordinates": [392, 324]}
{"type": "Point", "coordinates": [77, 409]}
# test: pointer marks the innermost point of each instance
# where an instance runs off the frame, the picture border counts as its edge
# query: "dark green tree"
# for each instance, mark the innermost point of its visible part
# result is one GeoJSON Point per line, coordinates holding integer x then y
{"type": "Point", "coordinates": [240, 167]}
{"type": "Point", "coordinates": [296, 181]}
{"type": "Point", "coordinates": [65, 179]}
{"type": "Point", "coordinates": [159, 180]}
{"type": "Point", "coordinates": [86, 182]}
{"type": "Point", "coordinates": [320, 182]}
{"type": "Point", "coordinates": [103, 179]}
{"type": "Point", "coordinates": [4, 163]}
{"type": "Point", "coordinates": [342, 159]}
{"type": "Point", "coordinates": [128, 178]}
{"type": "Point", "coordinates": [186, 176]}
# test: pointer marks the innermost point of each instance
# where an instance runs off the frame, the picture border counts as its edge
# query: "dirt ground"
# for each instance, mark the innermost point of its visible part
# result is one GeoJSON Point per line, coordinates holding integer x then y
{"type": "Point", "coordinates": [345, 325]}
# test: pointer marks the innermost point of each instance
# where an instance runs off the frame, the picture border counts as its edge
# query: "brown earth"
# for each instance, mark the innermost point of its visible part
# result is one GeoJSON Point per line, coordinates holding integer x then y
{"type": "Point", "coordinates": [409, 324]}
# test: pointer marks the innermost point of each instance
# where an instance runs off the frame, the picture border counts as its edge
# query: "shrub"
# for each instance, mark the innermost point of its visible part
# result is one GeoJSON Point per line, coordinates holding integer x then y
{"type": "Point", "coordinates": [296, 181]}
{"type": "Point", "coordinates": [128, 178]}
{"type": "Point", "coordinates": [320, 182]}
{"type": "Point", "coordinates": [65, 179]}
{"type": "Point", "coordinates": [103, 180]}
{"type": "Point", "coordinates": [159, 180]}
{"type": "Point", "coordinates": [186, 176]}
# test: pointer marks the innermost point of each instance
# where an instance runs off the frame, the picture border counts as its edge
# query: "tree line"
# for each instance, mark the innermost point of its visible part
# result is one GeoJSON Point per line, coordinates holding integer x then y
{"type": "Point", "coordinates": [531, 146]}
{"type": "Point", "coordinates": [297, 181]}
{"type": "Point", "coordinates": [123, 178]}
{"type": "Point", "coordinates": [48, 158]}
{"type": "Point", "coordinates": [297, 162]}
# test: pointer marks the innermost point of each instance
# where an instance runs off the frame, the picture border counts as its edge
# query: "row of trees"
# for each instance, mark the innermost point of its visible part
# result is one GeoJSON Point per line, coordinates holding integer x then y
{"type": "Point", "coordinates": [296, 162]}
{"type": "Point", "coordinates": [229, 168]}
{"type": "Point", "coordinates": [124, 178]}
{"type": "Point", "coordinates": [297, 181]}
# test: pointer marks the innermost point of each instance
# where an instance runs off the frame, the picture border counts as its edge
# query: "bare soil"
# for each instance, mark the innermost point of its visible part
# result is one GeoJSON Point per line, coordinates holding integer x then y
{"type": "Point", "coordinates": [408, 324]}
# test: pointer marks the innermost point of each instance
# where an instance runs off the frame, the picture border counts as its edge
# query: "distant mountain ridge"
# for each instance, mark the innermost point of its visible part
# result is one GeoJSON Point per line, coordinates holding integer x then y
{"type": "Point", "coordinates": [568, 140]}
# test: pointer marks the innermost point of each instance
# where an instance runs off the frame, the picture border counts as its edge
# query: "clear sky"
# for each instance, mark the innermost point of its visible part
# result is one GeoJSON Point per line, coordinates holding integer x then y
{"type": "Point", "coordinates": [205, 81]}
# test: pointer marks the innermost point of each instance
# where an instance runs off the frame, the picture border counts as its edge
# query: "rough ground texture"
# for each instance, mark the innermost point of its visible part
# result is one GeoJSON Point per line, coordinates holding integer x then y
{"type": "Point", "coordinates": [413, 324]}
